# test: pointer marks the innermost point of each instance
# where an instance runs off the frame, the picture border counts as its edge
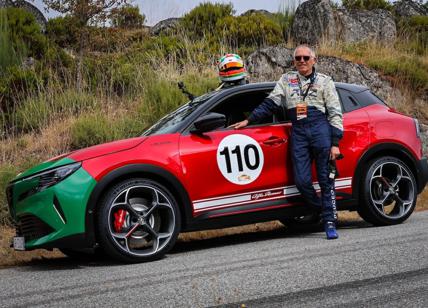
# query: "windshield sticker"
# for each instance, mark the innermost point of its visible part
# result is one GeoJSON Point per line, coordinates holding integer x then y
{"type": "Point", "coordinates": [240, 159]}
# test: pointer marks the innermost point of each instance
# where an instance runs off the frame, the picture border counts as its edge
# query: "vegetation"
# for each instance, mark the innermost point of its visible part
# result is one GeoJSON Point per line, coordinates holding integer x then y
{"type": "Point", "coordinates": [367, 4]}
{"type": "Point", "coordinates": [127, 17]}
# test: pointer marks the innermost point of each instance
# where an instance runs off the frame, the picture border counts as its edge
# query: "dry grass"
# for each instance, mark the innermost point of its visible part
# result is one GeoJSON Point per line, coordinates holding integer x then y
{"type": "Point", "coordinates": [9, 257]}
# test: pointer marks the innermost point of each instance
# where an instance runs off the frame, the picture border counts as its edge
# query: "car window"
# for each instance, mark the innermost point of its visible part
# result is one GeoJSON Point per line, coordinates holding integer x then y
{"type": "Point", "coordinates": [367, 98]}
{"type": "Point", "coordinates": [168, 124]}
{"type": "Point", "coordinates": [238, 107]}
{"type": "Point", "coordinates": [348, 102]}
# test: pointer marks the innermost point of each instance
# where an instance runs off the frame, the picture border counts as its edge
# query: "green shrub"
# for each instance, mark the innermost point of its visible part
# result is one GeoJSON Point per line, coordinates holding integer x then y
{"type": "Point", "coordinates": [10, 55]}
{"type": "Point", "coordinates": [7, 173]}
{"type": "Point", "coordinates": [414, 31]}
{"type": "Point", "coordinates": [203, 19]}
{"type": "Point", "coordinates": [97, 128]}
{"type": "Point", "coordinates": [89, 130]}
{"type": "Point", "coordinates": [63, 31]}
{"type": "Point", "coordinates": [409, 70]}
{"type": "Point", "coordinates": [127, 17]}
{"type": "Point", "coordinates": [250, 30]}
{"type": "Point", "coordinates": [367, 4]}
{"type": "Point", "coordinates": [38, 111]}
{"type": "Point", "coordinates": [15, 84]}
{"type": "Point", "coordinates": [24, 29]}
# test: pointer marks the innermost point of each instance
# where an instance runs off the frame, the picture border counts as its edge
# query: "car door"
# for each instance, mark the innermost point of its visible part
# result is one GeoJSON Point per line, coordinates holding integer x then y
{"type": "Point", "coordinates": [231, 171]}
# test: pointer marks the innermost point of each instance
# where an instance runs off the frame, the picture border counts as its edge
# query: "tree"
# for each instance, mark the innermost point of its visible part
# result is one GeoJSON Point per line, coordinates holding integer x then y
{"type": "Point", "coordinates": [85, 12]}
{"type": "Point", "coordinates": [127, 17]}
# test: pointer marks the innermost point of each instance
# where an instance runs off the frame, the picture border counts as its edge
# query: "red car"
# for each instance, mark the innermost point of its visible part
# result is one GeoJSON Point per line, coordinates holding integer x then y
{"type": "Point", "coordinates": [131, 198]}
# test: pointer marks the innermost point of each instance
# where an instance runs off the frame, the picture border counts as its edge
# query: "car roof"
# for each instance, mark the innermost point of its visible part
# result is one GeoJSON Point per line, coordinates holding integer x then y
{"type": "Point", "coordinates": [354, 88]}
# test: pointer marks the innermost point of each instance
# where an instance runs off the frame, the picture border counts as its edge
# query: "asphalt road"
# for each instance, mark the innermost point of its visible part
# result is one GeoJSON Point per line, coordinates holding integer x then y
{"type": "Point", "coordinates": [365, 267]}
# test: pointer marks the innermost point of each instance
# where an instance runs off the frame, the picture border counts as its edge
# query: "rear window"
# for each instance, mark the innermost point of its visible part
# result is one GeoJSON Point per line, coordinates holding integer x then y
{"type": "Point", "coordinates": [352, 101]}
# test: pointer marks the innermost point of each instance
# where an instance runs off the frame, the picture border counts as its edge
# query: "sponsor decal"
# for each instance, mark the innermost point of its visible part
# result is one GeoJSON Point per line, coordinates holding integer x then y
{"type": "Point", "coordinates": [261, 195]}
{"type": "Point", "coordinates": [240, 159]}
{"type": "Point", "coordinates": [267, 194]}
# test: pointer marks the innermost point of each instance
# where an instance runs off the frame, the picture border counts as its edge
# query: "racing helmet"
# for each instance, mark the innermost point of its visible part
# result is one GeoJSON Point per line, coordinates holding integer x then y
{"type": "Point", "coordinates": [231, 68]}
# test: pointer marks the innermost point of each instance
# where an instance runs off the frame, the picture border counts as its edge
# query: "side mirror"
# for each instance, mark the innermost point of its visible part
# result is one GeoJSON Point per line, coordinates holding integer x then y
{"type": "Point", "coordinates": [209, 122]}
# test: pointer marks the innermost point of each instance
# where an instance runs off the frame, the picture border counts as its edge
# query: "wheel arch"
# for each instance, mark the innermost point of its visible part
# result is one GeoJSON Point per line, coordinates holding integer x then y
{"type": "Point", "coordinates": [151, 172]}
{"type": "Point", "coordinates": [379, 150]}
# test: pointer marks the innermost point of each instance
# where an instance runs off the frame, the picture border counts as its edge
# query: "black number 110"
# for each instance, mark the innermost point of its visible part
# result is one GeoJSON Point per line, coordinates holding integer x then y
{"type": "Point", "coordinates": [237, 152]}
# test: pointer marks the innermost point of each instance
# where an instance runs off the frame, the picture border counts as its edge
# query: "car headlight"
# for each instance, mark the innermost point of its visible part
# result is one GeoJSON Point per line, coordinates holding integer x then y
{"type": "Point", "coordinates": [51, 177]}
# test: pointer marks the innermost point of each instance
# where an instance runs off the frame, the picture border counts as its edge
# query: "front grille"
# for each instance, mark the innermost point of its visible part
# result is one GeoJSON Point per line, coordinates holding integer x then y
{"type": "Point", "coordinates": [31, 227]}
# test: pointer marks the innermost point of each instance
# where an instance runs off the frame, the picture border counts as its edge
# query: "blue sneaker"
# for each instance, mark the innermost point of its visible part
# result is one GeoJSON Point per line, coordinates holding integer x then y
{"type": "Point", "coordinates": [330, 230]}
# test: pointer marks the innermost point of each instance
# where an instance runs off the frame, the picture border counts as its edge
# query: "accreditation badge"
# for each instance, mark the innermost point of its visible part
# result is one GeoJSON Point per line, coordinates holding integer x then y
{"type": "Point", "coordinates": [301, 111]}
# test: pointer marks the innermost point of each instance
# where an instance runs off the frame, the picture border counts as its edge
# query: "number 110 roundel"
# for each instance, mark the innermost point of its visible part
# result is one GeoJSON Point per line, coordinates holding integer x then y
{"type": "Point", "coordinates": [129, 199]}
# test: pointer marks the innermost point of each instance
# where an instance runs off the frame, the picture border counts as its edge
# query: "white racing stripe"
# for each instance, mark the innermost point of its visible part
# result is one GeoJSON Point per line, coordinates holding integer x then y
{"type": "Point", "coordinates": [268, 194]}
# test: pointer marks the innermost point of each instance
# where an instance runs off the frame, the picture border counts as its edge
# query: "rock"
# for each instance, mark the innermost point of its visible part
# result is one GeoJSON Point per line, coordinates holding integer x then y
{"type": "Point", "coordinates": [408, 8]}
{"type": "Point", "coordinates": [28, 63]}
{"type": "Point", "coordinates": [317, 20]}
{"type": "Point", "coordinates": [166, 25]}
{"type": "Point", "coordinates": [270, 63]}
{"type": "Point", "coordinates": [253, 12]}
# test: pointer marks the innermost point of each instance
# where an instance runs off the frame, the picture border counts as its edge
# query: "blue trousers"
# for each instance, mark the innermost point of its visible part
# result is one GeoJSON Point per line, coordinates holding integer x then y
{"type": "Point", "coordinates": [312, 141]}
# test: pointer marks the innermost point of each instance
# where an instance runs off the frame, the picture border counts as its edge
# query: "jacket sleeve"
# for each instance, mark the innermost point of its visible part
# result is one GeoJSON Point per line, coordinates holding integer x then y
{"type": "Point", "coordinates": [334, 111]}
{"type": "Point", "coordinates": [270, 104]}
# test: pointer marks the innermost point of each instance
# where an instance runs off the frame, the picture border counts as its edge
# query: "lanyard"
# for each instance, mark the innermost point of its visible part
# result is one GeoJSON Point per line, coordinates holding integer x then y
{"type": "Point", "coordinates": [309, 86]}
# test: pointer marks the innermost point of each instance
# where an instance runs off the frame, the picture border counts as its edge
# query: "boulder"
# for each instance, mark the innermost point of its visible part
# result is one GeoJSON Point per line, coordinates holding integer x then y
{"type": "Point", "coordinates": [317, 20]}
{"type": "Point", "coordinates": [166, 25]}
{"type": "Point", "coordinates": [270, 63]}
{"type": "Point", "coordinates": [408, 8]}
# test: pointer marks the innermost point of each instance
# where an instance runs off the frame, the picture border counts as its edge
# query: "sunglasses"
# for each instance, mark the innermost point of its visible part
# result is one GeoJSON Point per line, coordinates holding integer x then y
{"type": "Point", "coordinates": [299, 58]}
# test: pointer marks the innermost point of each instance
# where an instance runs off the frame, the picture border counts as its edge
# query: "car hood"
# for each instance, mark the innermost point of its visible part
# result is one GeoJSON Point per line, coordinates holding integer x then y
{"type": "Point", "coordinates": [83, 154]}
{"type": "Point", "coordinates": [105, 148]}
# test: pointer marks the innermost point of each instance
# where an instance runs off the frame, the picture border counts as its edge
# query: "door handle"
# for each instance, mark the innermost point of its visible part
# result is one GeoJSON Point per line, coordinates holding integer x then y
{"type": "Point", "coordinates": [274, 140]}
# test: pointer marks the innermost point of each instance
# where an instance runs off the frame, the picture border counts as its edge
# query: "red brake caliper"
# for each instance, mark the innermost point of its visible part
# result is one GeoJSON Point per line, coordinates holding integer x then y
{"type": "Point", "coordinates": [119, 220]}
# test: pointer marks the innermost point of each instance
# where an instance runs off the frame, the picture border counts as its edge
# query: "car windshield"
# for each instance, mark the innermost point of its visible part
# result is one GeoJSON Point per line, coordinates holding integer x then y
{"type": "Point", "coordinates": [168, 124]}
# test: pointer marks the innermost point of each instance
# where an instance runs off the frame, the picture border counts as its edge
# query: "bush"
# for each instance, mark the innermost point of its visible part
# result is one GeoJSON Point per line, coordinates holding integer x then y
{"type": "Point", "coordinates": [251, 30]}
{"type": "Point", "coordinates": [15, 84]}
{"type": "Point", "coordinates": [7, 173]}
{"type": "Point", "coordinates": [24, 29]}
{"type": "Point", "coordinates": [367, 4]}
{"type": "Point", "coordinates": [63, 31]}
{"type": "Point", "coordinates": [409, 70]}
{"type": "Point", "coordinates": [203, 19]}
{"type": "Point", "coordinates": [127, 17]}
{"type": "Point", "coordinates": [9, 55]}
{"type": "Point", "coordinates": [414, 31]}
{"type": "Point", "coordinates": [38, 111]}
{"type": "Point", "coordinates": [98, 128]}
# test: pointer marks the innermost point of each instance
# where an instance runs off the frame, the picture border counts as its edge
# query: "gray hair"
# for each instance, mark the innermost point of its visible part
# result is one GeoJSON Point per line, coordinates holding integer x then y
{"type": "Point", "coordinates": [311, 51]}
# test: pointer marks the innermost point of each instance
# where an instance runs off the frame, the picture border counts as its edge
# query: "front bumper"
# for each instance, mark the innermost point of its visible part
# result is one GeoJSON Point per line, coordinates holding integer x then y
{"type": "Point", "coordinates": [48, 217]}
{"type": "Point", "coordinates": [422, 173]}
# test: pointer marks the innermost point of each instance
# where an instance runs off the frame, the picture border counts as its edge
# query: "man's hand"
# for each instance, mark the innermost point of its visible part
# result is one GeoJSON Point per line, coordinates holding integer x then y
{"type": "Point", "coordinates": [334, 152]}
{"type": "Point", "coordinates": [239, 124]}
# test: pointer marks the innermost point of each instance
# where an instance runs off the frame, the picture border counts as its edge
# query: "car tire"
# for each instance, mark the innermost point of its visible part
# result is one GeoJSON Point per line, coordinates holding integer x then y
{"type": "Point", "coordinates": [388, 192]}
{"type": "Point", "coordinates": [138, 221]}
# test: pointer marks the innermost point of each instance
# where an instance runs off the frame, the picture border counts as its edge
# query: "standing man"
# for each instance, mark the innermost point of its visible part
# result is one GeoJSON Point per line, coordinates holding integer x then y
{"type": "Point", "coordinates": [317, 126]}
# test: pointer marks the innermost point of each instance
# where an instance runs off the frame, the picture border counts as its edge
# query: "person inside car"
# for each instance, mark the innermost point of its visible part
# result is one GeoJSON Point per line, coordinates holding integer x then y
{"type": "Point", "coordinates": [313, 106]}
{"type": "Point", "coordinates": [231, 71]}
